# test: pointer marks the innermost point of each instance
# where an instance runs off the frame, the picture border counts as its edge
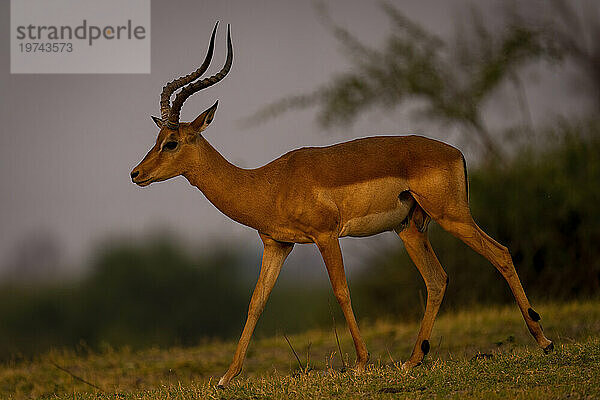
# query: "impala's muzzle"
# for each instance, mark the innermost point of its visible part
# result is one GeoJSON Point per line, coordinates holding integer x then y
{"type": "Point", "coordinates": [140, 180]}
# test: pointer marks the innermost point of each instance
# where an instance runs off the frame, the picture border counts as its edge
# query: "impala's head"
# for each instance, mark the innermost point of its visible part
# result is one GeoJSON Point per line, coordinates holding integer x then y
{"type": "Point", "coordinates": [176, 142]}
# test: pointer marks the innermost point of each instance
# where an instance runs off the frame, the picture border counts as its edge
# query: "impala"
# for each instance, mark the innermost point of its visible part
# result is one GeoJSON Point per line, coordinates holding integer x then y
{"type": "Point", "coordinates": [319, 194]}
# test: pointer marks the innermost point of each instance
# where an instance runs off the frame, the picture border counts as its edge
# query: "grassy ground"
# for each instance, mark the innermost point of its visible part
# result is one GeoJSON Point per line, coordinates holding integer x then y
{"type": "Point", "coordinates": [484, 353]}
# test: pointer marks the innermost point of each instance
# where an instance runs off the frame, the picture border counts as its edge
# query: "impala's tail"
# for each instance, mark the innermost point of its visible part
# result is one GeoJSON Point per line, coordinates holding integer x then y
{"type": "Point", "coordinates": [466, 176]}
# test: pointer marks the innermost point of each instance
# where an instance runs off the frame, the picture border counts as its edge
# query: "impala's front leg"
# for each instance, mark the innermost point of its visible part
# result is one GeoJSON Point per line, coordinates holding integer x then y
{"type": "Point", "coordinates": [332, 255]}
{"type": "Point", "coordinates": [274, 255]}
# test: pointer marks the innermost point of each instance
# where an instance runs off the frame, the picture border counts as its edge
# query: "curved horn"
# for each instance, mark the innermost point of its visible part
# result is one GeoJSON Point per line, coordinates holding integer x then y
{"type": "Point", "coordinates": [165, 96]}
{"type": "Point", "coordinates": [192, 88]}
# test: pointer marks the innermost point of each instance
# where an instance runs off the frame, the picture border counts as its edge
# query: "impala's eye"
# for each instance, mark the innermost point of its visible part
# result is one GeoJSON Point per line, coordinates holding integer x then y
{"type": "Point", "coordinates": [170, 145]}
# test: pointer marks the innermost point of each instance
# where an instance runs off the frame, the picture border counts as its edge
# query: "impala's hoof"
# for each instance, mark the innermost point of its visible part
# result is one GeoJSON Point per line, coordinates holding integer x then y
{"type": "Point", "coordinates": [359, 369]}
{"type": "Point", "coordinates": [222, 383]}
{"type": "Point", "coordinates": [409, 365]}
{"type": "Point", "coordinates": [549, 349]}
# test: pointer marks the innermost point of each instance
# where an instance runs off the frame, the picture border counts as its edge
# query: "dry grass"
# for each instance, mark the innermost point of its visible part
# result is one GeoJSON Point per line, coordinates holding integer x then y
{"type": "Point", "coordinates": [483, 353]}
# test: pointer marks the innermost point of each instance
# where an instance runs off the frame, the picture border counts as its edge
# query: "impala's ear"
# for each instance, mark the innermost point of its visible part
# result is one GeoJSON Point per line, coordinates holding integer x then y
{"type": "Point", "coordinates": [157, 121]}
{"type": "Point", "coordinates": [204, 119]}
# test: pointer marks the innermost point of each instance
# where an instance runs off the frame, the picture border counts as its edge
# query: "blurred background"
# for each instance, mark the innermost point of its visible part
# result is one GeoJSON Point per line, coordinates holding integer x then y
{"type": "Point", "coordinates": [89, 259]}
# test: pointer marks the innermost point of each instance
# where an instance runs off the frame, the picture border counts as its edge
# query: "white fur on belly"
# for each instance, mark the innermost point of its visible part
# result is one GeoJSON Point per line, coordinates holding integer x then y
{"type": "Point", "coordinates": [372, 224]}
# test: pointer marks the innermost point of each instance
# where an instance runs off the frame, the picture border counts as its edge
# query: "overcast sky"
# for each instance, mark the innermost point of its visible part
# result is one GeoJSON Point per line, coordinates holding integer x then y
{"type": "Point", "coordinates": [68, 142]}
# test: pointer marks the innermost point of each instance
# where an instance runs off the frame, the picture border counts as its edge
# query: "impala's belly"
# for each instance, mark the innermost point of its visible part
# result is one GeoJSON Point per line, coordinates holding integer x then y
{"type": "Point", "coordinates": [373, 224]}
{"type": "Point", "coordinates": [373, 207]}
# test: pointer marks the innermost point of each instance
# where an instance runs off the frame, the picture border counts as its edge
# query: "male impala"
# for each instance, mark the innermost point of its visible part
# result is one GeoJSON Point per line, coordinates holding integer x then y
{"type": "Point", "coordinates": [319, 194]}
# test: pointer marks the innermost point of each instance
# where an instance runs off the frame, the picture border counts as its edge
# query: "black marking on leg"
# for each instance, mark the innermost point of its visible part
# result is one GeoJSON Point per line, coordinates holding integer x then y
{"type": "Point", "coordinates": [425, 346]}
{"type": "Point", "coordinates": [534, 316]}
{"type": "Point", "coordinates": [548, 349]}
{"type": "Point", "coordinates": [447, 280]}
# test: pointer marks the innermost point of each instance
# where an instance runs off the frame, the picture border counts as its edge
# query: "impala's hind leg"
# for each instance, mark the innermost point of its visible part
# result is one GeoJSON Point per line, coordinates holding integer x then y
{"type": "Point", "coordinates": [448, 205]}
{"type": "Point", "coordinates": [498, 255]}
{"type": "Point", "coordinates": [418, 247]}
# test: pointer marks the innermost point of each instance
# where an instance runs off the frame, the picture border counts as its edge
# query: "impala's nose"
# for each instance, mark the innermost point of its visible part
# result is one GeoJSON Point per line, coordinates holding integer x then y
{"type": "Point", "coordinates": [134, 174]}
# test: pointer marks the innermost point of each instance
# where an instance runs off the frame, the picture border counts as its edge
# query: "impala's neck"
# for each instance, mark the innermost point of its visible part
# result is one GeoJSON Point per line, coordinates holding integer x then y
{"type": "Point", "coordinates": [234, 191]}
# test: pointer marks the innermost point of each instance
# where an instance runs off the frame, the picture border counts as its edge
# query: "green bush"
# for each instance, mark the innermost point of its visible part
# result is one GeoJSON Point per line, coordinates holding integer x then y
{"type": "Point", "coordinates": [138, 295]}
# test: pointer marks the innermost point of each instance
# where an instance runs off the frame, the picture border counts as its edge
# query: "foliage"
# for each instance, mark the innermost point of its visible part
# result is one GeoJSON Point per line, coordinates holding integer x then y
{"type": "Point", "coordinates": [573, 28]}
{"type": "Point", "coordinates": [480, 353]}
{"type": "Point", "coordinates": [451, 79]}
